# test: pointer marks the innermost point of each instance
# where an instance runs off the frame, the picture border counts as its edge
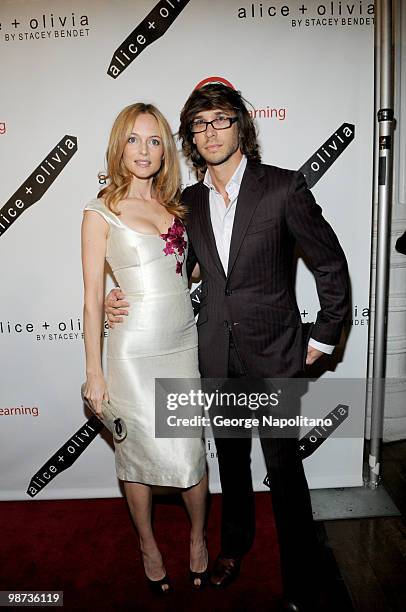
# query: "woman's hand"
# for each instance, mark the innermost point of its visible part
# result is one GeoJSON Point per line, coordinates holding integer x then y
{"type": "Point", "coordinates": [114, 306]}
{"type": "Point", "coordinates": [95, 392]}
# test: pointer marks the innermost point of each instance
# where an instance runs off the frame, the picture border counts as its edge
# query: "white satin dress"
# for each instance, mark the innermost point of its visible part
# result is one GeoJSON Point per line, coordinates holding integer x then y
{"type": "Point", "coordinates": [158, 339]}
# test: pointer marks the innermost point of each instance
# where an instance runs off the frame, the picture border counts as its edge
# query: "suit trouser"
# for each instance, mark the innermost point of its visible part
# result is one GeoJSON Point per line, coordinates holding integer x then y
{"type": "Point", "coordinates": [290, 500]}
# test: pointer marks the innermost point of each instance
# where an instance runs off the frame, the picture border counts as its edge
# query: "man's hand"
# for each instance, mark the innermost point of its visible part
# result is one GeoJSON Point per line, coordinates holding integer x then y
{"type": "Point", "coordinates": [115, 307]}
{"type": "Point", "coordinates": [312, 355]}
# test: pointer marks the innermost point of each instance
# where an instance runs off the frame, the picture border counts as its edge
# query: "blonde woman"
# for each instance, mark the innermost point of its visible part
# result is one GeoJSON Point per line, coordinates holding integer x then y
{"type": "Point", "coordinates": [136, 225]}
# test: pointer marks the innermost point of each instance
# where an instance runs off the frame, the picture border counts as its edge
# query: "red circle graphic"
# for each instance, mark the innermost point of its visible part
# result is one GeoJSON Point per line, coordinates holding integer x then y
{"type": "Point", "coordinates": [214, 79]}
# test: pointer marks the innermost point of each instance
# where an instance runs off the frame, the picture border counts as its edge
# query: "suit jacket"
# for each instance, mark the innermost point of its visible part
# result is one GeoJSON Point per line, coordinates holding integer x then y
{"type": "Point", "coordinates": [255, 301]}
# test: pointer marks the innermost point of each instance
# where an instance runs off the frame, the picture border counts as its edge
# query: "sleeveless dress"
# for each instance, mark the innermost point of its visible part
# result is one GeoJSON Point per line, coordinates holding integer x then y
{"type": "Point", "coordinates": [158, 339]}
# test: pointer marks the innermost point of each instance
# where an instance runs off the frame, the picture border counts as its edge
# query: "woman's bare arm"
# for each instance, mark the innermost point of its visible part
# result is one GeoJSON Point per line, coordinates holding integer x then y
{"type": "Point", "coordinates": [94, 240]}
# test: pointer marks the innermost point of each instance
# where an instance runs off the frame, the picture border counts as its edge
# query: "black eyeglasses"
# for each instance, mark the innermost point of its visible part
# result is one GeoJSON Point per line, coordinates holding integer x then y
{"type": "Point", "coordinates": [219, 123]}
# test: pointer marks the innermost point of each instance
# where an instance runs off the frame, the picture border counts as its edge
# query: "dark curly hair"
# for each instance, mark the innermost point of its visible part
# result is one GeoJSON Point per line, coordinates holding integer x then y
{"type": "Point", "coordinates": [210, 97]}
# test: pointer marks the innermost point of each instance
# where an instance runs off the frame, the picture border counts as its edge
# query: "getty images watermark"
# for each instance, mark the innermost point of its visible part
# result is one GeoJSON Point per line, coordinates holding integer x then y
{"type": "Point", "coordinates": [228, 400]}
{"type": "Point", "coordinates": [264, 407]}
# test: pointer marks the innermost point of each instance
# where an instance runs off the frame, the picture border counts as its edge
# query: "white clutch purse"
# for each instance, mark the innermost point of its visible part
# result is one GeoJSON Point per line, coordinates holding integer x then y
{"type": "Point", "coordinates": [109, 418]}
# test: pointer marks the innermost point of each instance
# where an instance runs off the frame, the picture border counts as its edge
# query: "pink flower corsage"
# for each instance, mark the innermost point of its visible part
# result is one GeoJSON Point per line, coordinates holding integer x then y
{"type": "Point", "coordinates": [175, 244]}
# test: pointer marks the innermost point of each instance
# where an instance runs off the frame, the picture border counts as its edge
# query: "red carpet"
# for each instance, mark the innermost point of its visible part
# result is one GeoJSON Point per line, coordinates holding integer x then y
{"type": "Point", "coordinates": [89, 550]}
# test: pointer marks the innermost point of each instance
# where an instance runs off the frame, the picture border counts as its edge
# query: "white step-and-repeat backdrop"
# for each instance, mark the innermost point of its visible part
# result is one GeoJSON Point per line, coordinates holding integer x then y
{"type": "Point", "coordinates": [68, 68]}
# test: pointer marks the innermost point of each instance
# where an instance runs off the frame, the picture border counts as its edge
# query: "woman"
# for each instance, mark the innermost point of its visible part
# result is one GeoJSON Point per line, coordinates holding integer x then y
{"type": "Point", "coordinates": [136, 225]}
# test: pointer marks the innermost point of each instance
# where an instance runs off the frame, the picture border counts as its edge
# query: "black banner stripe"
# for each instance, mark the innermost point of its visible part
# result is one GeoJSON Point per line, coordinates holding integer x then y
{"type": "Point", "coordinates": [317, 435]}
{"type": "Point", "coordinates": [38, 182]}
{"type": "Point", "coordinates": [195, 297]}
{"type": "Point", "coordinates": [66, 456]}
{"type": "Point", "coordinates": [318, 164]}
{"type": "Point", "coordinates": [155, 24]}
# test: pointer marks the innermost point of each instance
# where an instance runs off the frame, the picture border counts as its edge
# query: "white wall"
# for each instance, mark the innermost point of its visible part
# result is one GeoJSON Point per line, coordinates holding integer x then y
{"type": "Point", "coordinates": [55, 85]}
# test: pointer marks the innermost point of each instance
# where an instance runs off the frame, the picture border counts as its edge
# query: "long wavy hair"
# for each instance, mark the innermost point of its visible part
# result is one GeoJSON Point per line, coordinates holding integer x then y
{"type": "Point", "coordinates": [210, 97]}
{"type": "Point", "coordinates": [166, 182]}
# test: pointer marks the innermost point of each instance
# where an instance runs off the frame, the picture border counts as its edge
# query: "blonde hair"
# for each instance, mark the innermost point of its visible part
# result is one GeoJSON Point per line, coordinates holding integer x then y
{"type": "Point", "coordinates": [166, 183]}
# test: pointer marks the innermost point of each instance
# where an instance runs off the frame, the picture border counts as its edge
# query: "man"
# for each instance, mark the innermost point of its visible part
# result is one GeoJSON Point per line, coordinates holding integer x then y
{"type": "Point", "coordinates": [245, 219]}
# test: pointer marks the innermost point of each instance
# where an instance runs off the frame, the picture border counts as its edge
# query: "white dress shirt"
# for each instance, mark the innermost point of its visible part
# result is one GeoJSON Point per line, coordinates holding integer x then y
{"type": "Point", "coordinates": [222, 220]}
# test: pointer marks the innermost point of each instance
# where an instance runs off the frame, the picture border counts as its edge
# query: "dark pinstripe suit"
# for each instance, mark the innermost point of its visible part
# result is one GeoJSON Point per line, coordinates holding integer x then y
{"type": "Point", "coordinates": [256, 304]}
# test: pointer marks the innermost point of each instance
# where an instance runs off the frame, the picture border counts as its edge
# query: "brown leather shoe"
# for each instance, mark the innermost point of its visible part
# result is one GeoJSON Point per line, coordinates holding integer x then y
{"type": "Point", "coordinates": [290, 606]}
{"type": "Point", "coordinates": [225, 570]}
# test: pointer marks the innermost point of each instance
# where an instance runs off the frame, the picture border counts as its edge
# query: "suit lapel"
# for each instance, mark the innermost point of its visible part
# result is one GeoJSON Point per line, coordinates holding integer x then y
{"type": "Point", "coordinates": [251, 190]}
{"type": "Point", "coordinates": [207, 230]}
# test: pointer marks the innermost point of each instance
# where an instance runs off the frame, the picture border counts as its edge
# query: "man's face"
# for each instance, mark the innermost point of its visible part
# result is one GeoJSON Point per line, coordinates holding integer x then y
{"type": "Point", "coordinates": [217, 146]}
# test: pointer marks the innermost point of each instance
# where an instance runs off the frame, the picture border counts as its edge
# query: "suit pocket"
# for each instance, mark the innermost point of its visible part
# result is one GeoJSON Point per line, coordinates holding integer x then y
{"type": "Point", "coordinates": [260, 226]}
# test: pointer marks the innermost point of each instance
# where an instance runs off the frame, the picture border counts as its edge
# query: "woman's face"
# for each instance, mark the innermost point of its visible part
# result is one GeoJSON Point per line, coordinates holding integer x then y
{"type": "Point", "coordinates": [144, 151]}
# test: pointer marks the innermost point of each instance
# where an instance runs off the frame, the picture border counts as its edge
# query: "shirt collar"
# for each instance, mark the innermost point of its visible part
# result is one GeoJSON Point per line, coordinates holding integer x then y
{"type": "Point", "coordinates": [235, 180]}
